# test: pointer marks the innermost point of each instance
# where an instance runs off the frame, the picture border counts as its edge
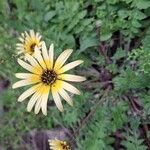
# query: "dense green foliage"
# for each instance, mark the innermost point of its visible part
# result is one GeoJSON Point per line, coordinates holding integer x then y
{"type": "Point", "coordinates": [113, 39]}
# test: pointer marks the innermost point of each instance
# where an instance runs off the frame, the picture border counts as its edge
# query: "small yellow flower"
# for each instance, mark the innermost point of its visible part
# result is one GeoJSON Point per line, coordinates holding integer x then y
{"type": "Point", "coordinates": [47, 76]}
{"type": "Point", "coordinates": [28, 42]}
{"type": "Point", "coordinates": [58, 145]}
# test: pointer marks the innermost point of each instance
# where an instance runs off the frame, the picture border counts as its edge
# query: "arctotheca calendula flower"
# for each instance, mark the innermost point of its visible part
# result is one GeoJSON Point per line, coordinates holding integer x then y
{"type": "Point", "coordinates": [28, 42]}
{"type": "Point", "coordinates": [47, 76]}
{"type": "Point", "coordinates": [58, 145]}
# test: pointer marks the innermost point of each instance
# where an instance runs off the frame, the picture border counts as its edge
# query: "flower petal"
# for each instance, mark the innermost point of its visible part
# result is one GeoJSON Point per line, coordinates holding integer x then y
{"type": "Point", "coordinates": [32, 34]}
{"type": "Point", "coordinates": [57, 99]}
{"type": "Point", "coordinates": [51, 54]}
{"type": "Point", "coordinates": [62, 59]}
{"type": "Point", "coordinates": [23, 75]}
{"type": "Point", "coordinates": [25, 65]}
{"type": "Point", "coordinates": [21, 39]}
{"type": "Point", "coordinates": [70, 88]}
{"type": "Point", "coordinates": [32, 61]}
{"type": "Point", "coordinates": [69, 66]}
{"type": "Point", "coordinates": [29, 76]}
{"type": "Point", "coordinates": [37, 68]}
{"type": "Point", "coordinates": [44, 100]}
{"type": "Point", "coordinates": [27, 35]}
{"type": "Point", "coordinates": [45, 55]}
{"type": "Point", "coordinates": [73, 78]}
{"type": "Point", "coordinates": [65, 96]}
{"type": "Point", "coordinates": [37, 55]}
{"type": "Point", "coordinates": [19, 44]}
{"type": "Point", "coordinates": [38, 105]}
{"type": "Point", "coordinates": [33, 100]}
{"type": "Point", "coordinates": [38, 36]}
{"type": "Point", "coordinates": [19, 51]}
{"type": "Point", "coordinates": [28, 92]}
{"type": "Point", "coordinates": [22, 83]}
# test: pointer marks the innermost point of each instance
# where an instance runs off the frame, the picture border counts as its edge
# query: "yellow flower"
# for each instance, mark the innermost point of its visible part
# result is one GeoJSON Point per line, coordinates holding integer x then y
{"type": "Point", "coordinates": [58, 145]}
{"type": "Point", "coordinates": [28, 42]}
{"type": "Point", "coordinates": [47, 76]}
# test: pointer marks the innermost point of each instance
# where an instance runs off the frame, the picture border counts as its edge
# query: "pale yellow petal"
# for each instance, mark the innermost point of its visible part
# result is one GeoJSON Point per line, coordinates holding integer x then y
{"type": "Point", "coordinates": [26, 66]}
{"type": "Point", "coordinates": [38, 105]}
{"type": "Point", "coordinates": [21, 39]}
{"type": "Point", "coordinates": [37, 68]}
{"type": "Point", "coordinates": [21, 48]}
{"type": "Point", "coordinates": [33, 100]}
{"type": "Point", "coordinates": [27, 35]}
{"type": "Point", "coordinates": [34, 78]}
{"type": "Point", "coordinates": [69, 66]}
{"type": "Point", "coordinates": [32, 61]}
{"type": "Point", "coordinates": [21, 83]}
{"type": "Point", "coordinates": [38, 36]}
{"type": "Point", "coordinates": [57, 99]}
{"type": "Point", "coordinates": [62, 59]}
{"type": "Point", "coordinates": [19, 44]}
{"type": "Point", "coordinates": [23, 35]}
{"type": "Point", "coordinates": [28, 92]}
{"type": "Point", "coordinates": [70, 88]}
{"type": "Point", "coordinates": [23, 75]}
{"type": "Point", "coordinates": [66, 97]}
{"type": "Point", "coordinates": [37, 55]}
{"type": "Point", "coordinates": [20, 51]}
{"type": "Point", "coordinates": [58, 85]}
{"type": "Point", "coordinates": [45, 55]}
{"type": "Point", "coordinates": [27, 81]}
{"type": "Point", "coordinates": [32, 34]}
{"type": "Point", "coordinates": [72, 78]}
{"type": "Point", "coordinates": [51, 54]}
{"type": "Point", "coordinates": [44, 100]}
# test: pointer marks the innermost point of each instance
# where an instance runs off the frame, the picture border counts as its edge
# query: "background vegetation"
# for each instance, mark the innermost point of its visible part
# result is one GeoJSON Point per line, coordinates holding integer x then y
{"type": "Point", "coordinates": [113, 39]}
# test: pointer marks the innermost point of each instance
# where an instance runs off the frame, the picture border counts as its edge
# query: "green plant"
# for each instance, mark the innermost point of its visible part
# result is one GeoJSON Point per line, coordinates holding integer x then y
{"type": "Point", "coordinates": [112, 37]}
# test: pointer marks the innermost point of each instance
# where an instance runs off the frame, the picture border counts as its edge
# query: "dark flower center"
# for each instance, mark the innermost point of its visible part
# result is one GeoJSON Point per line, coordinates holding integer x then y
{"type": "Point", "coordinates": [48, 77]}
{"type": "Point", "coordinates": [32, 47]}
{"type": "Point", "coordinates": [65, 146]}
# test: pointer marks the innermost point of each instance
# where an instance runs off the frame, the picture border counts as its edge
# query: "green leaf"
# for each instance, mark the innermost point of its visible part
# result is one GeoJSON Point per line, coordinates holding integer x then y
{"type": "Point", "coordinates": [123, 13]}
{"type": "Point", "coordinates": [105, 37]}
{"type": "Point", "coordinates": [88, 42]}
{"type": "Point", "coordinates": [139, 15]}
{"type": "Point", "coordinates": [49, 15]}
{"type": "Point", "coordinates": [120, 53]}
{"type": "Point", "coordinates": [112, 68]}
{"type": "Point", "coordinates": [82, 14]}
{"type": "Point", "coordinates": [4, 7]}
{"type": "Point", "coordinates": [142, 4]}
{"type": "Point", "coordinates": [136, 24]}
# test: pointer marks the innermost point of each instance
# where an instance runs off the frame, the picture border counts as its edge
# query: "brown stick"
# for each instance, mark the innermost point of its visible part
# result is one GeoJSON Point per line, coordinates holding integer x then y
{"type": "Point", "coordinates": [145, 128]}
